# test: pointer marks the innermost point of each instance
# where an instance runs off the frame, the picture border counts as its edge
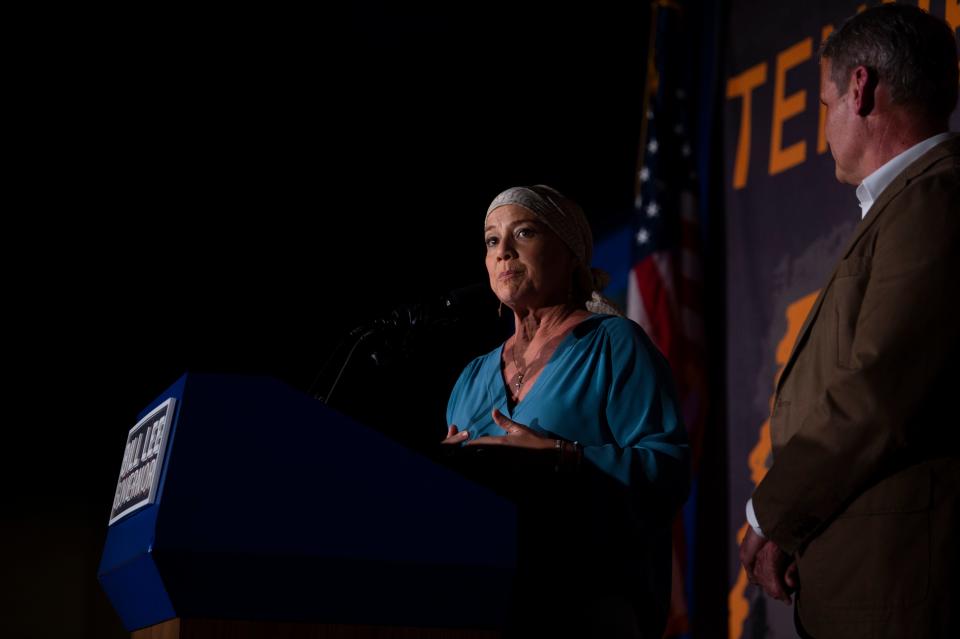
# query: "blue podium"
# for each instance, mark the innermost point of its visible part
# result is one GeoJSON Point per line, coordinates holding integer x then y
{"type": "Point", "coordinates": [240, 498]}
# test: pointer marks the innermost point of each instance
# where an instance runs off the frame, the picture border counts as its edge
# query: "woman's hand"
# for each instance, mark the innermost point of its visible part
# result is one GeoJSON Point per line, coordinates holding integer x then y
{"type": "Point", "coordinates": [454, 436]}
{"type": "Point", "coordinates": [516, 435]}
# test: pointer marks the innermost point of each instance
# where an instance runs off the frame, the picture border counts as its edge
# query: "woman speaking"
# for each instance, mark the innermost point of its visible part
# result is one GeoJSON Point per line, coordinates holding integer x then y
{"type": "Point", "coordinates": [578, 379]}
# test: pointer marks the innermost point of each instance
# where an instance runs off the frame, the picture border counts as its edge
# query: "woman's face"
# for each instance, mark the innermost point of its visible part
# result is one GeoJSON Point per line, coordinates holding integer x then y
{"type": "Point", "coordinates": [529, 266]}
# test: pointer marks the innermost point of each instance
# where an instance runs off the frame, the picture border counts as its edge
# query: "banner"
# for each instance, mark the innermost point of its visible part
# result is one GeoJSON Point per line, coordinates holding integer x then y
{"type": "Point", "coordinates": [787, 219]}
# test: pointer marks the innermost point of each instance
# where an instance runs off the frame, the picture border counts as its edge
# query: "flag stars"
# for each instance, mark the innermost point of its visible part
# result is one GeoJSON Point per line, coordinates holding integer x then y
{"type": "Point", "coordinates": [685, 150]}
{"type": "Point", "coordinates": [653, 209]}
{"type": "Point", "coordinates": [644, 174]}
{"type": "Point", "coordinates": [652, 146]}
{"type": "Point", "coordinates": [643, 236]}
{"type": "Point", "coordinates": [649, 114]}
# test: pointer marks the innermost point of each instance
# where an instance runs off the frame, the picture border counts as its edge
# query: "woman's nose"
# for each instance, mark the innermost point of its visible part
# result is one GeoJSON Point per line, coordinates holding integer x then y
{"type": "Point", "coordinates": [505, 250]}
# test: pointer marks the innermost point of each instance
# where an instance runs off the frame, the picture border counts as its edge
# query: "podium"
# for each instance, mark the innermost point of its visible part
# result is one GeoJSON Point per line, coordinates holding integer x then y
{"type": "Point", "coordinates": [245, 508]}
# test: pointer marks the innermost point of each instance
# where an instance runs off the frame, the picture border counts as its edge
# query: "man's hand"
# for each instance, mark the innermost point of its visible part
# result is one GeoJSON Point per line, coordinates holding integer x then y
{"type": "Point", "coordinates": [768, 566]}
{"type": "Point", "coordinates": [770, 571]}
{"type": "Point", "coordinates": [749, 548]}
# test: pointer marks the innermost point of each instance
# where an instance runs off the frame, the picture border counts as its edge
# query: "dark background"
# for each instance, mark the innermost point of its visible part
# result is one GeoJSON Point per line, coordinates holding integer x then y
{"type": "Point", "coordinates": [234, 191]}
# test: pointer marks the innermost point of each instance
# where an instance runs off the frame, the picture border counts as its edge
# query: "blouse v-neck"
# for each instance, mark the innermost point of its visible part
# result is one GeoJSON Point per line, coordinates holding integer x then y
{"type": "Point", "coordinates": [502, 393]}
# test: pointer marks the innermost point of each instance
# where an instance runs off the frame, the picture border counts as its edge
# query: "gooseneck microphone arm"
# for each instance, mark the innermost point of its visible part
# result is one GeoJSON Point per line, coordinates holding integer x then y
{"type": "Point", "coordinates": [346, 360]}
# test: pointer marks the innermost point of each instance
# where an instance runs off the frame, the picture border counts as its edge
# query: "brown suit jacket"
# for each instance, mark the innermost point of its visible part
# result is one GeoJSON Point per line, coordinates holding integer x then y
{"type": "Point", "coordinates": [865, 483]}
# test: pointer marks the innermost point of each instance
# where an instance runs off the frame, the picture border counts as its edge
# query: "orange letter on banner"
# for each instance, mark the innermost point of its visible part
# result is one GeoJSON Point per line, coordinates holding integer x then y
{"type": "Point", "coordinates": [742, 86]}
{"type": "Point", "coordinates": [952, 13]}
{"type": "Point", "coordinates": [821, 136]}
{"type": "Point", "coordinates": [785, 108]}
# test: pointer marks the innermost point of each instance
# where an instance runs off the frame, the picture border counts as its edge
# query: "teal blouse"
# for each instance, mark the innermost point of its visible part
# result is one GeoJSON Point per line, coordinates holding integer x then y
{"type": "Point", "coordinates": [607, 387]}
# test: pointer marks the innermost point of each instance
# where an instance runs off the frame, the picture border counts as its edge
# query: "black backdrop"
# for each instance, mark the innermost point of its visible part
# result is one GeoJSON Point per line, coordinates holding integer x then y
{"type": "Point", "coordinates": [233, 190]}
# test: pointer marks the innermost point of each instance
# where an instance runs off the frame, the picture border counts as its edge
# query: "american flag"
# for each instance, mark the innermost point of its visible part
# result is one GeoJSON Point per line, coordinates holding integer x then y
{"type": "Point", "coordinates": [665, 281]}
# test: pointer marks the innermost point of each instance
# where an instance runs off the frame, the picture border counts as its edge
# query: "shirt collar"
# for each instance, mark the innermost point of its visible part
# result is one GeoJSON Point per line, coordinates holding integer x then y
{"type": "Point", "coordinates": [873, 185]}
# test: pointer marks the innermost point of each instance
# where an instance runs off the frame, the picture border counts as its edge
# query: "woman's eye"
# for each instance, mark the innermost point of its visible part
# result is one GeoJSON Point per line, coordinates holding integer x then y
{"type": "Point", "coordinates": [490, 241]}
{"type": "Point", "coordinates": [526, 233]}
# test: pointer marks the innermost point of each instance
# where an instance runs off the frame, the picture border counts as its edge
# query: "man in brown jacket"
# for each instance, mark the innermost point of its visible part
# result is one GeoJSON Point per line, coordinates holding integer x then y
{"type": "Point", "coordinates": [860, 512]}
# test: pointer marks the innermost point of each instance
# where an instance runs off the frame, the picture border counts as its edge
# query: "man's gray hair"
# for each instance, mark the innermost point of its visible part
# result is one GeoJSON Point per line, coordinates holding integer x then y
{"type": "Point", "coordinates": [909, 50]}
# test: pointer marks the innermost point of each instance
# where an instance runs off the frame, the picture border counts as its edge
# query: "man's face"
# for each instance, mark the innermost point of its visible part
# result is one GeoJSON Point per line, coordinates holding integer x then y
{"type": "Point", "coordinates": [841, 127]}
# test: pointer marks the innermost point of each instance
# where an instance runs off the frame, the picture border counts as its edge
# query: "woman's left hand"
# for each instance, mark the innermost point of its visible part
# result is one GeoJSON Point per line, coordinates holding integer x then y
{"type": "Point", "coordinates": [516, 435]}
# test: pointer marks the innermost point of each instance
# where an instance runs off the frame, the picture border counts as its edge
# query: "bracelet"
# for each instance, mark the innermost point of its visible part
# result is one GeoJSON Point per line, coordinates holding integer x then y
{"type": "Point", "coordinates": [577, 456]}
{"type": "Point", "coordinates": [563, 456]}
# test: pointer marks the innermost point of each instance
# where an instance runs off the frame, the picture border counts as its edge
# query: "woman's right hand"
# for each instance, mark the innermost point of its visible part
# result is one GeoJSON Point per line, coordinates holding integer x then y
{"type": "Point", "coordinates": [455, 436]}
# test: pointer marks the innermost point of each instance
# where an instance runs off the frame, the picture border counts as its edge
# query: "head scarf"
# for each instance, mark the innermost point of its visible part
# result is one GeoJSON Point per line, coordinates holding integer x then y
{"type": "Point", "coordinates": [566, 219]}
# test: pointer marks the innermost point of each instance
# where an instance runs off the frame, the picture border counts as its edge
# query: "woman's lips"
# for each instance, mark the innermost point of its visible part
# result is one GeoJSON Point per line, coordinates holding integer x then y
{"type": "Point", "coordinates": [506, 275]}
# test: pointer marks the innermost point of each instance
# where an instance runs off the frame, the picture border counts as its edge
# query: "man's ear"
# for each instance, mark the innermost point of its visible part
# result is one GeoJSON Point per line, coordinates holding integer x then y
{"type": "Point", "coordinates": [863, 83]}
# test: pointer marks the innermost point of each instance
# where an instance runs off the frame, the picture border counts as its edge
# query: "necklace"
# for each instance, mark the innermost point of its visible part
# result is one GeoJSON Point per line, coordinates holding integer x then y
{"type": "Point", "coordinates": [521, 370]}
{"type": "Point", "coordinates": [518, 378]}
{"type": "Point", "coordinates": [526, 371]}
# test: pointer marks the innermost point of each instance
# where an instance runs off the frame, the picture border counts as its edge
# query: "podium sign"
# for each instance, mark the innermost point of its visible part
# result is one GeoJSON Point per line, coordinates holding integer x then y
{"type": "Point", "coordinates": [142, 461]}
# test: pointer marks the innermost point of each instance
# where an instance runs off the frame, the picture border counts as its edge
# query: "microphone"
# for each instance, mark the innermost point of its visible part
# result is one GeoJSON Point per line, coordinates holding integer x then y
{"type": "Point", "coordinates": [448, 309]}
{"type": "Point", "coordinates": [405, 326]}
{"type": "Point", "coordinates": [471, 296]}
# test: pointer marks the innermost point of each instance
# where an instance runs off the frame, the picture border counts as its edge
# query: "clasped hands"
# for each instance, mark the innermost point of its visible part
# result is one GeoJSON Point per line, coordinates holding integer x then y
{"type": "Point", "coordinates": [768, 567]}
{"type": "Point", "coordinates": [515, 434]}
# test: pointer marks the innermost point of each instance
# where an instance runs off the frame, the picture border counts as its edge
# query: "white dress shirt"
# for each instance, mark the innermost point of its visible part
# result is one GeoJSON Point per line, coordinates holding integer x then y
{"type": "Point", "coordinates": [874, 184]}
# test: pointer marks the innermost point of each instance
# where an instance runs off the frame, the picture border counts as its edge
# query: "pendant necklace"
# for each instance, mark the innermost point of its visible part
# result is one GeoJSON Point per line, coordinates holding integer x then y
{"type": "Point", "coordinates": [521, 370]}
